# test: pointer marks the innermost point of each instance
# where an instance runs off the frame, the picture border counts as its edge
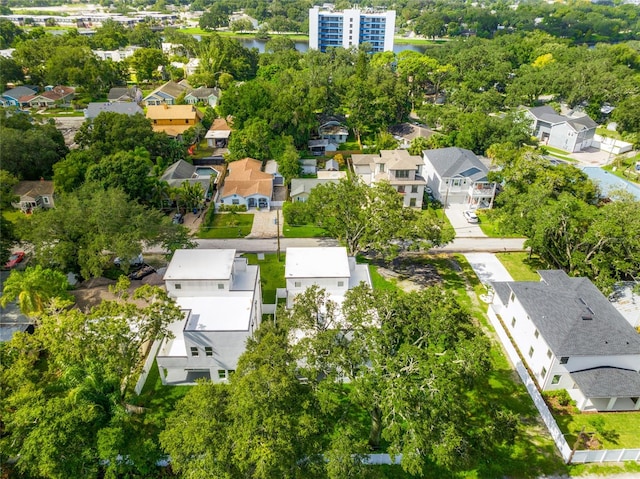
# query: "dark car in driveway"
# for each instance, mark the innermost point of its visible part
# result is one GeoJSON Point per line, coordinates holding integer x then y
{"type": "Point", "coordinates": [145, 270]}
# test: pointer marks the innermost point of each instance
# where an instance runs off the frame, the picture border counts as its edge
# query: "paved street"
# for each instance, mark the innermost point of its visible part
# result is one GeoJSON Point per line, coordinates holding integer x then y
{"type": "Point", "coordinates": [266, 245]}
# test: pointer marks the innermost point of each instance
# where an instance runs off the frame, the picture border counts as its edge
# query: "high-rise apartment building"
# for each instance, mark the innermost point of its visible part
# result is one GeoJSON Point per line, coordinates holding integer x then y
{"type": "Point", "coordinates": [351, 27]}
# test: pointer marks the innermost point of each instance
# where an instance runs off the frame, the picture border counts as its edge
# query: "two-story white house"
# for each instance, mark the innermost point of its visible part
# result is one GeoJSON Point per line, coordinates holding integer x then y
{"type": "Point", "coordinates": [457, 176]}
{"type": "Point", "coordinates": [327, 267]}
{"type": "Point", "coordinates": [571, 337]}
{"type": "Point", "coordinates": [221, 298]}
{"type": "Point", "coordinates": [402, 170]}
{"type": "Point", "coordinates": [567, 133]}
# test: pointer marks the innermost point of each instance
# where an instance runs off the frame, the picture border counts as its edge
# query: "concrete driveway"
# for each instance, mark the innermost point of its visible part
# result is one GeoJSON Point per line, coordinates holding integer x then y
{"type": "Point", "coordinates": [487, 267]}
{"type": "Point", "coordinates": [462, 228]}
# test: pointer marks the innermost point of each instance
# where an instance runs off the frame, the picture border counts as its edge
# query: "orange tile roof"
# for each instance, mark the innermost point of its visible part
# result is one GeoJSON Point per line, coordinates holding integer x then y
{"type": "Point", "coordinates": [173, 112]}
{"type": "Point", "coordinates": [246, 178]}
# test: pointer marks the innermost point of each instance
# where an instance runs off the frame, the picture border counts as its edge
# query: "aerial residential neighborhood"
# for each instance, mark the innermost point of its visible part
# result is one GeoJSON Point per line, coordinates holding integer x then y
{"type": "Point", "coordinates": [290, 240]}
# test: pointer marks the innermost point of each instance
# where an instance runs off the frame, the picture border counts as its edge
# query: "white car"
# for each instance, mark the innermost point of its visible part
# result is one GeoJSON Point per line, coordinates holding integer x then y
{"type": "Point", "coordinates": [471, 217]}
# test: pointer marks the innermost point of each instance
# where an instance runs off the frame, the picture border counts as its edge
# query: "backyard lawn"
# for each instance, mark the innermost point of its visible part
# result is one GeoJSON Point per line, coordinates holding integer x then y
{"type": "Point", "coordinates": [614, 430]}
{"type": "Point", "coordinates": [271, 274]}
{"type": "Point", "coordinates": [226, 225]}
{"type": "Point", "coordinates": [520, 266]}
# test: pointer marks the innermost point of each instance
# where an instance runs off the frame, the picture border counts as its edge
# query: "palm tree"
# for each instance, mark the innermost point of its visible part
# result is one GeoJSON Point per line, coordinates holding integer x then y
{"type": "Point", "coordinates": [34, 289]}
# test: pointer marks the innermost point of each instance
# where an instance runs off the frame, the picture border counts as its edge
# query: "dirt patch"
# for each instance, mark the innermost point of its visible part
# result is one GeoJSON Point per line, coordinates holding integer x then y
{"type": "Point", "coordinates": [92, 292]}
{"type": "Point", "coordinates": [410, 273]}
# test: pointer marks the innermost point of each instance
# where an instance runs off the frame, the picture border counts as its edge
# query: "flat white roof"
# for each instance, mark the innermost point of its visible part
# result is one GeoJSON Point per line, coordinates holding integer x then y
{"type": "Point", "coordinates": [322, 262]}
{"type": "Point", "coordinates": [231, 312]}
{"type": "Point", "coordinates": [174, 346]}
{"type": "Point", "coordinates": [200, 264]}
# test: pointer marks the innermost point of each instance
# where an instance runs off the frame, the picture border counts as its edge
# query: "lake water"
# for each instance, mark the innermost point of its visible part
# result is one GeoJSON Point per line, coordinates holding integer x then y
{"type": "Point", "coordinates": [304, 46]}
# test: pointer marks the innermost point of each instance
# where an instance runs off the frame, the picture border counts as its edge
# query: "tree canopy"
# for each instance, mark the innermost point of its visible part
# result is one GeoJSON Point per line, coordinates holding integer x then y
{"type": "Point", "coordinates": [92, 225]}
{"type": "Point", "coordinates": [372, 218]}
{"type": "Point", "coordinates": [65, 393]}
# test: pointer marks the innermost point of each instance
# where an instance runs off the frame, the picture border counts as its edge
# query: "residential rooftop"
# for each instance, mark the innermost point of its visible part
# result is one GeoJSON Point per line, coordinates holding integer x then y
{"type": "Point", "coordinates": [201, 264]}
{"type": "Point", "coordinates": [321, 262]}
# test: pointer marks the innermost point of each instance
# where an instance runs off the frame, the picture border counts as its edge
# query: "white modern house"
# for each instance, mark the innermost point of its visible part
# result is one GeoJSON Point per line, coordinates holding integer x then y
{"type": "Point", "coordinates": [221, 298]}
{"type": "Point", "coordinates": [332, 28]}
{"type": "Point", "coordinates": [402, 170]}
{"type": "Point", "coordinates": [567, 133]}
{"type": "Point", "coordinates": [571, 337]}
{"type": "Point", "coordinates": [327, 267]}
{"type": "Point", "coordinates": [457, 176]}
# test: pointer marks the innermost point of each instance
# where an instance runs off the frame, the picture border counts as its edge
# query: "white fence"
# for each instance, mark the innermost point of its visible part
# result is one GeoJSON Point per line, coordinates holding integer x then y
{"type": "Point", "coordinates": [547, 417]}
{"type": "Point", "coordinates": [611, 145]}
{"type": "Point", "coordinates": [606, 455]}
{"type": "Point", "coordinates": [148, 364]}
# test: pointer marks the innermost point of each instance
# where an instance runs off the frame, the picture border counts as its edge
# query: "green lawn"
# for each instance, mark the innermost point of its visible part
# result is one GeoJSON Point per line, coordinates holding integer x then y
{"type": "Point", "coordinates": [619, 430]}
{"type": "Point", "coordinates": [558, 153]}
{"type": "Point", "coordinates": [302, 231]}
{"type": "Point", "coordinates": [349, 145]}
{"type": "Point", "coordinates": [490, 226]}
{"type": "Point", "coordinates": [520, 266]}
{"type": "Point", "coordinates": [227, 225]}
{"type": "Point", "coordinates": [624, 168]}
{"type": "Point", "coordinates": [271, 274]}
{"type": "Point", "coordinates": [158, 400]}
{"type": "Point", "coordinates": [379, 282]}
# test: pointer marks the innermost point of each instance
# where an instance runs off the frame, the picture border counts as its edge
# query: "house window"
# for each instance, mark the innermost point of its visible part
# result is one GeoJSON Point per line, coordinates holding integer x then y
{"type": "Point", "coordinates": [178, 286]}
{"type": "Point", "coordinates": [340, 284]}
{"type": "Point", "coordinates": [208, 351]}
{"type": "Point", "coordinates": [297, 284]}
{"type": "Point", "coordinates": [194, 351]}
{"type": "Point", "coordinates": [414, 189]}
{"type": "Point", "coordinates": [235, 202]}
{"type": "Point", "coordinates": [556, 379]}
{"type": "Point", "coordinates": [230, 372]}
{"type": "Point", "coordinates": [549, 354]}
{"type": "Point", "coordinates": [222, 374]}
{"type": "Point", "coordinates": [401, 189]}
{"type": "Point", "coordinates": [536, 334]}
{"type": "Point", "coordinates": [402, 173]}
{"type": "Point", "coordinates": [220, 286]}
{"type": "Point", "coordinates": [564, 360]}
{"type": "Point", "coordinates": [45, 200]}
{"type": "Point", "coordinates": [381, 167]}
{"type": "Point", "coordinates": [513, 323]}
{"type": "Point", "coordinates": [543, 373]}
{"type": "Point", "coordinates": [531, 351]}
{"type": "Point", "coordinates": [412, 202]}
{"type": "Point", "coordinates": [187, 122]}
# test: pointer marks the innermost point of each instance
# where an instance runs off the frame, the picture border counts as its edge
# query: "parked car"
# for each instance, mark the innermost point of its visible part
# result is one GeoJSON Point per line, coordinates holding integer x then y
{"type": "Point", "coordinates": [146, 270]}
{"type": "Point", "coordinates": [178, 218]}
{"type": "Point", "coordinates": [14, 259]}
{"type": "Point", "coordinates": [471, 217]}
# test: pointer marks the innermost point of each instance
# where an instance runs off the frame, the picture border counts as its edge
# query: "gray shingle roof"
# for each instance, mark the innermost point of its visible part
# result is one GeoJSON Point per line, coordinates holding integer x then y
{"type": "Point", "coordinates": [574, 317]}
{"type": "Point", "coordinates": [305, 185]}
{"type": "Point", "coordinates": [454, 161]}
{"type": "Point", "coordinates": [126, 108]}
{"type": "Point", "coordinates": [582, 123]}
{"type": "Point", "coordinates": [118, 92]}
{"type": "Point", "coordinates": [607, 382]}
{"type": "Point", "coordinates": [204, 92]}
{"type": "Point", "coordinates": [547, 114]}
{"type": "Point", "coordinates": [18, 92]}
